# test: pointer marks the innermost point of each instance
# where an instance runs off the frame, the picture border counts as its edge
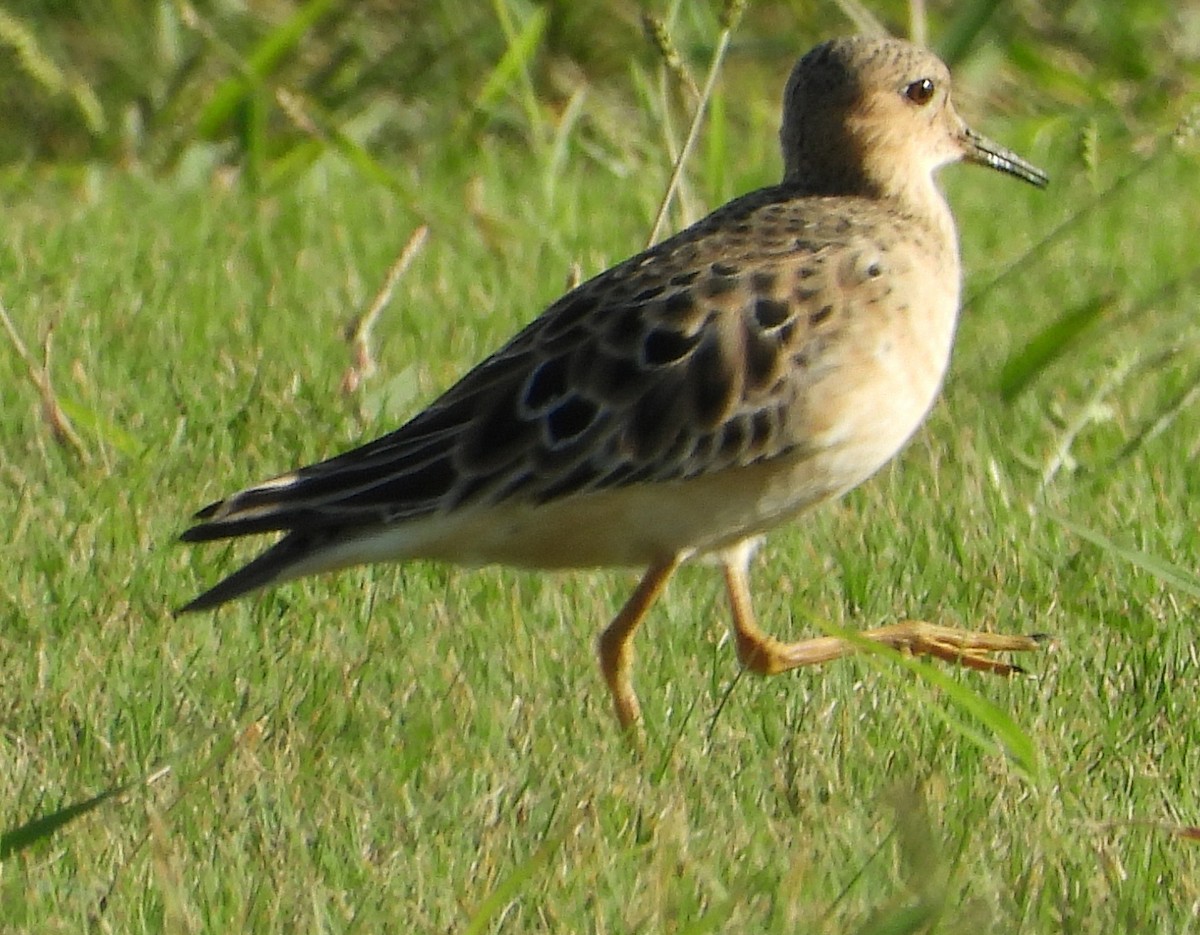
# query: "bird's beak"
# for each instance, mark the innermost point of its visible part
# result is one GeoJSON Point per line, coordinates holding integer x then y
{"type": "Point", "coordinates": [980, 149]}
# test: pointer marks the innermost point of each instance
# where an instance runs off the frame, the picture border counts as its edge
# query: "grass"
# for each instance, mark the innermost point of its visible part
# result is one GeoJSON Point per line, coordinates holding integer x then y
{"type": "Point", "coordinates": [428, 748]}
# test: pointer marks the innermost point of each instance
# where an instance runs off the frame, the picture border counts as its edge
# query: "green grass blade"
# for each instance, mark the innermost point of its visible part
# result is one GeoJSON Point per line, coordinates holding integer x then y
{"type": "Point", "coordinates": [514, 62]}
{"type": "Point", "coordinates": [366, 164]}
{"type": "Point", "coordinates": [1023, 367]}
{"type": "Point", "coordinates": [715, 920]}
{"type": "Point", "coordinates": [280, 42]}
{"type": "Point", "coordinates": [231, 94]}
{"type": "Point", "coordinates": [1010, 740]}
{"type": "Point", "coordinates": [508, 888]}
{"type": "Point", "coordinates": [964, 29]}
{"type": "Point", "coordinates": [325, 134]}
{"type": "Point", "coordinates": [903, 921]}
{"type": "Point", "coordinates": [285, 169]}
{"type": "Point", "coordinates": [1163, 419]}
{"type": "Point", "coordinates": [19, 838]}
{"type": "Point", "coordinates": [38, 829]}
{"type": "Point", "coordinates": [1167, 572]}
{"type": "Point", "coordinates": [104, 429]}
{"type": "Point", "coordinates": [1072, 222]}
{"type": "Point", "coordinates": [718, 150]}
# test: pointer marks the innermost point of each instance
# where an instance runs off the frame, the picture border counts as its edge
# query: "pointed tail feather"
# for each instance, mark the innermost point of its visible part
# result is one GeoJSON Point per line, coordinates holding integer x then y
{"type": "Point", "coordinates": [272, 566]}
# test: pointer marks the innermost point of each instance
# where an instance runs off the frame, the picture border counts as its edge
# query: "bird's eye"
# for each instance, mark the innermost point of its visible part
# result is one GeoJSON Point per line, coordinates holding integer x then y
{"type": "Point", "coordinates": [920, 92]}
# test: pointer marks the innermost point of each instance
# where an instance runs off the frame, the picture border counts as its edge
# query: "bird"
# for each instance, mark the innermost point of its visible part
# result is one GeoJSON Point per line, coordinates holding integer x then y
{"type": "Point", "coordinates": [764, 360]}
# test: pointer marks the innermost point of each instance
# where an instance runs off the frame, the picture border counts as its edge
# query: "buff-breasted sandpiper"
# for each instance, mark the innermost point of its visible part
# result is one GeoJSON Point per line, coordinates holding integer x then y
{"type": "Point", "coordinates": [766, 359]}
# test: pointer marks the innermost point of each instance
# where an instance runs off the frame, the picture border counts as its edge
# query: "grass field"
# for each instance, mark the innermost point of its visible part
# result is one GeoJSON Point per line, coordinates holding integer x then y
{"type": "Point", "coordinates": [431, 749]}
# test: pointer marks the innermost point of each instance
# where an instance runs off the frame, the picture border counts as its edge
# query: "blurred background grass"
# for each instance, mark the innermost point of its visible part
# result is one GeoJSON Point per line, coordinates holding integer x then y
{"type": "Point", "coordinates": [142, 82]}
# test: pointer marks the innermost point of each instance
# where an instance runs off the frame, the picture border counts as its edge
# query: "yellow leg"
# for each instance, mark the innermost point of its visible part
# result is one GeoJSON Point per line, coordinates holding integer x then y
{"type": "Point", "coordinates": [615, 643]}
{"type": "Point", "coordinates": [765, 655]}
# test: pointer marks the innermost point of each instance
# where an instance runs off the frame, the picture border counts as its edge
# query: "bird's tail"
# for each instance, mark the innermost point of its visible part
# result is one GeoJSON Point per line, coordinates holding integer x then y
{"type": "Point", "coordinates": [274, 565]}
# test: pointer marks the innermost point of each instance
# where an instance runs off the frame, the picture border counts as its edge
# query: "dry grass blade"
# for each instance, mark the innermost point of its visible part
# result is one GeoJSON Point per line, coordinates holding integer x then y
{"type": "Point", "coordinates": [863, 19]}
{"type": "Point", "coordinates": [31, 58]}
{"type": "Point", "coordinates": [574, 275]}
{"type": "Point", "coordinates": [657, 32]}
{"type": "Point", "coordinates": [730, 18]}
{"type": "Point", "coordinates": [358, 334]}
{"type": "Point", "coordinates": [1185, 832]}
{"type": "Point", "coordinates": [307, 117]}
{"type": "Point", "coordinates": [1093, 410]}
{"type": "Point", "coordinates": [39, 375]}
{"type": "Point", "coordinates": [918, 22]}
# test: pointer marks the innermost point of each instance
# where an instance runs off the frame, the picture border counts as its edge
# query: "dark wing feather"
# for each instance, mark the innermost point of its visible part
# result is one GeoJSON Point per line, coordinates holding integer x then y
{"type": "Point", "coordinates": [686, 359]}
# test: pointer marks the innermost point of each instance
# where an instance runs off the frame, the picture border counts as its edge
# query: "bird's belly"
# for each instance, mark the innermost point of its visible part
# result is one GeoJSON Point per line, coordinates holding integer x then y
{"type": "Point", "coordinates": [642, 524]}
